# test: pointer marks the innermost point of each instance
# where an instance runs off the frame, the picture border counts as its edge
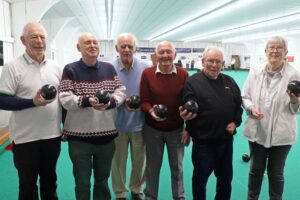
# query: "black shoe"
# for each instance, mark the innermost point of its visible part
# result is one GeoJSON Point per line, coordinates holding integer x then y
{"type": "Point", "coordinates": [138, 196]}
{"type": "Point", "coordinates": [122, 198]}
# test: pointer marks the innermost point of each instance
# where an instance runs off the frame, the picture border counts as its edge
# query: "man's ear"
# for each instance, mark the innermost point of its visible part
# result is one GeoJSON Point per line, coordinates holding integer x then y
{"type": "Point", "coordinates": [116, 47]}
{"type": "Point", "coordinates": [78, 47]}
{"type": "Point", "coordinates": [23, 40]}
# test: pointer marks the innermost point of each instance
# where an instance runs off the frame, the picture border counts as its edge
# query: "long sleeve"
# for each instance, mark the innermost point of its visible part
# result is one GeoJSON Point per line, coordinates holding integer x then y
{"type": "Point", "coordinates": [14, 103]}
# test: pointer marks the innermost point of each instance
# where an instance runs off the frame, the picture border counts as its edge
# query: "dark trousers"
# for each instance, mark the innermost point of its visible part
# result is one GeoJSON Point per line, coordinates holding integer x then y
{"type": "Point", "coordinates": [274, 158]}
{"type": "Point", "coordinates": [206, 159]}
{"type": "Point", "coordinates": [35, 159]}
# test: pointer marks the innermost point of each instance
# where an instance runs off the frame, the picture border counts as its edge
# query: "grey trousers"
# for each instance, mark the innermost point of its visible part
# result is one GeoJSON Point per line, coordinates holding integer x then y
{"type": "Point", "coordinates": [155, 141]}
{"type": "Point", "coordinates": [274, 159]}
{"type": "Point", "coordinates": [91, 159]}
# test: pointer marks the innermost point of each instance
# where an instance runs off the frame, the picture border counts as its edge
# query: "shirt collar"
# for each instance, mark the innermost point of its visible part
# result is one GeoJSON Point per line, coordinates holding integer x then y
{"type": "Point", "coordinates": [122, 67]}
{"type": "Point", "coordinates": [173, 71]}
{"type": "Point", "coordinates": [281, 71]}
{"type": "Point", "coordinates": [85, 66]}
{"type": "Point", "coordinates": [29, 60]}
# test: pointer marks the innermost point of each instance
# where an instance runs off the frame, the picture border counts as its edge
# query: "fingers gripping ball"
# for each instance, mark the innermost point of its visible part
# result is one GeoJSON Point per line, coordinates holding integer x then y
{"type": "Point", "coordinates": [48, 92]}
{"type": "Point", "coordinates": [161, 111]}
{"type": "Point", "coordinates": [191, 106]}
{"type": "Point", "coordinates": [102, 96]}
{"type": "Point", "coordinates": [134, 102]}
{"type": "Point", "coordinates": [294, 87]}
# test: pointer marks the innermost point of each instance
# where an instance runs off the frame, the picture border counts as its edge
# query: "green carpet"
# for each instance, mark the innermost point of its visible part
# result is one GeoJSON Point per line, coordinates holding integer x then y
{"type": "Point", "coordinates": [9, 180]}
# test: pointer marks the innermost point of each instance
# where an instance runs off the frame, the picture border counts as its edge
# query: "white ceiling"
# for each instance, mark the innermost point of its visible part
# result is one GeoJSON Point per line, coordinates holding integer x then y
{"type": "Point", "coordinates": [209, 20]}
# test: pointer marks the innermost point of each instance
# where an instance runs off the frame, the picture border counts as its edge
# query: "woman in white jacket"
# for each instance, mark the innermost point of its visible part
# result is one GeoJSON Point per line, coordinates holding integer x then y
{"type": "Point", "coordinates": [271, 126]}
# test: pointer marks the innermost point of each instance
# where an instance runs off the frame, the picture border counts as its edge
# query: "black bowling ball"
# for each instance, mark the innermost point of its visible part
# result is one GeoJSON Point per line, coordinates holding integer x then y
{"type": "Point", "coordinates": [48, 92]}
{"type": "Point", "coordinates": [294, 87]}
{"type": "Point", "coordinates": [191, 106]}
{"type": "Point", "coordinates": [245, 157]}
{"type": "Point", "coordinates": [102, 96]}
{"type": "Point", "coordinates": [134, 102]}
{"type": "Point", "coordinates": [161, 111]}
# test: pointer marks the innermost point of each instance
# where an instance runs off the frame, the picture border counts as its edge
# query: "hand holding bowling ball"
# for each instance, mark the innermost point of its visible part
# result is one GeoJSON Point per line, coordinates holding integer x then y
{"type": "Point", "coordinates": [48, 92]}
{"type": "Point", "coordinates": [161, 111]}
{"type": "Point", "coordinates": [102, 96]}
{"type": "Point", "coordinates": [294, 87]}
{"type": "Point", "coordinates": [191, 106]}
{"type": "Point", "coordinates": [134, 102]}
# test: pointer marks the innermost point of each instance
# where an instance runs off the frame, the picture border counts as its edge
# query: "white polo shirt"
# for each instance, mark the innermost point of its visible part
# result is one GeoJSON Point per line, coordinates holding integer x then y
{"type": "Point", "coordinates": [23, 77]}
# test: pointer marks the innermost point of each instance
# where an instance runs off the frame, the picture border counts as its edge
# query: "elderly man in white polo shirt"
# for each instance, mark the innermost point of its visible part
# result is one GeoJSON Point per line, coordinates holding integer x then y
{"type": "Point", "coordinates": [35, 122]}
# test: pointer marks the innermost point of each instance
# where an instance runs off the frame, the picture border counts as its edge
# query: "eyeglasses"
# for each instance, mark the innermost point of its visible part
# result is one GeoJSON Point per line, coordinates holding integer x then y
{"type": "Point", "coordinates": [274, 48]}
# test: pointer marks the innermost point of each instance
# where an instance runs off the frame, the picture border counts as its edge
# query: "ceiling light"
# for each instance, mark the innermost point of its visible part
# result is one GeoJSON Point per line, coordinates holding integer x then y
{"type": "Point", "coordinates": [214, 12]}
{"type": "Point", "coordinates": [246, 27]}
{"type": "Point", "coordinates": [261, 36]}
{"type": "Point", "coordinates": [174, 28]}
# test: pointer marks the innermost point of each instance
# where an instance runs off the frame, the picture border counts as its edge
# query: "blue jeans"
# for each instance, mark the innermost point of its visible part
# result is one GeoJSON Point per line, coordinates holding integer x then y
{"type": "Point", "coordinates": [274, 158]}
{"type": "Point", "coordinates": [206, 159]}
{"type": "Point", "coordinates": [87, 157]}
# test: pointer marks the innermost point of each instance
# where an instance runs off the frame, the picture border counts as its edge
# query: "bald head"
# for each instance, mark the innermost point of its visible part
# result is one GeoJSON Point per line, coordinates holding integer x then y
{"type": "Point", "coordinates": [88, 46]}
{"type": "Point", "coordinates": [33, 25]}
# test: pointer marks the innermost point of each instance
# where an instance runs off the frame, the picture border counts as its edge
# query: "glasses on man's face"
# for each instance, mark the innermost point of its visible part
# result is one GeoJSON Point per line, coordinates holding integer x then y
{"type": "Point", "coordinates": [275, 48]}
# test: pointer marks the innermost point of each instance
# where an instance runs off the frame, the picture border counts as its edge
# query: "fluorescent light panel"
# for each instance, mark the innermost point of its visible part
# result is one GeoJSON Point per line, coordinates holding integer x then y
{"type": "Point", "coordinates": [254, 25]}
{"type": "Point", "coordinates": [175, 28]}
{"type": "Point", "coordinates": [215, 12]}
{"type": "Point", "coordinates": [261, 36]}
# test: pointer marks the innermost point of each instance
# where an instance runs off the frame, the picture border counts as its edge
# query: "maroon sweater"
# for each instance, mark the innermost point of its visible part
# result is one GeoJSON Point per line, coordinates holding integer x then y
{"type": "Point", "coordinates": [163, 89]}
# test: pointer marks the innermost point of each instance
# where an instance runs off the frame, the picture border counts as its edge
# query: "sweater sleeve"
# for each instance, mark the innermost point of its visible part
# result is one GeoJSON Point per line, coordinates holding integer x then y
{"type": "Point", "coordinates": [68, 99]}
{"type": "Point", "coordinates": [14, 103]}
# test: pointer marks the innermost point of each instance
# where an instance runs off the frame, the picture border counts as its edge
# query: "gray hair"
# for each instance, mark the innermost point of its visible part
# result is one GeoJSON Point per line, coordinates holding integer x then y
{"type": "Point", "coordinates": [278, 38]}
{"type": "Point", "coordinates": [210, 48]}
{"type": "Point", "coordinates": [29, 25]}
{"type": "Point", "coordinates": [122, 35]}
{"type": "Point", "coordinates": [165, 43]}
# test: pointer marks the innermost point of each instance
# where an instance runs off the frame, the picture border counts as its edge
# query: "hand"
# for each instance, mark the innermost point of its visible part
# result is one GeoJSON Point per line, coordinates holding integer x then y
{"type": "Point", "coordinates": [293, 98]}
{"type": "Point", "coordinates": [184, 114]}
{"type": "Point", "coordinates": [154, 116]}
{"type": "Point", "coordinates": [256, 114]}
{"type": "Point", "coordinates": [230, 128]}
{"type": "Point", "coordinates": [126, 102]}
{"type": "Point", "coordinates": [38, 100]}
{"type": "Point", "coordinates": [185, 138]}
{"type": "Point", "coordinates": [98, 106]}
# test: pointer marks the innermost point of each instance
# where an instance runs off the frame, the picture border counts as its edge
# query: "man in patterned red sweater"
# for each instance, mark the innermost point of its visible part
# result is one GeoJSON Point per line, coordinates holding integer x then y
{"type": "Point", "coordinates": [162, 84]}
{"type": "Point", "coordinates": [89, 125]}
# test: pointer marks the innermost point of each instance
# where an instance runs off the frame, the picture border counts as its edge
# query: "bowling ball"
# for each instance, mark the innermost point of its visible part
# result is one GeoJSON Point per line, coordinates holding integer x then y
{"type": "Point", "coordinates": [102, 96]}
{"type": "Point", "coordinates": [245, 157]}
{"type": "Point", "coordinates": [191, 106]}
{"type": "Point", "coordinates": [134, 102]}
{"type": "Point", "coordinates": [161, 111]}
{"type": "Point", "coordinates": [48, 92]}
{"type": "Point", "coordinates": [294, 87]}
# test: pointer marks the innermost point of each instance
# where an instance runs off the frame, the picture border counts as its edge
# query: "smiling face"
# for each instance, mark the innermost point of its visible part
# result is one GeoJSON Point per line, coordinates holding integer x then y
{"type": "Point", "coordinates": [165, 54]}
{"type": "Point", "coordinates": [126, 48]}
{"type": "Point", "coordinates": [88, 46]}
{"type": "Point", "coordinates": [34, 40]}
{"type": "Point", "coordinates": [212, 63]}
{"type": "Point", "coordinates": [276, 52]}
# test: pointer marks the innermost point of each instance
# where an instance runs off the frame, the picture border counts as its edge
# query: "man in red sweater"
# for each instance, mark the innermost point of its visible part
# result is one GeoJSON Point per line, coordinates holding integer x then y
{"type": "Point", "coordinates": [162, 84]}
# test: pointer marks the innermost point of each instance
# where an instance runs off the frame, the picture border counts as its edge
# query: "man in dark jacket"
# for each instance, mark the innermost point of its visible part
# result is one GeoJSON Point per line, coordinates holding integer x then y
{"type": "Point", "coordinates": [212, 129]}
